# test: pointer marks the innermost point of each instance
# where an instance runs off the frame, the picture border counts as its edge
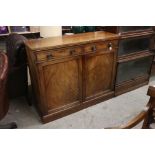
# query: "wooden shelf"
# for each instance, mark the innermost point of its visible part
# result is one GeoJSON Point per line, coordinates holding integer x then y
{"type": "Point", "coordinates": [26, 32]}
{"type": "Point", "coordinates": [30, 33]}
{"type": "Point", "coordinates": [6, 34]}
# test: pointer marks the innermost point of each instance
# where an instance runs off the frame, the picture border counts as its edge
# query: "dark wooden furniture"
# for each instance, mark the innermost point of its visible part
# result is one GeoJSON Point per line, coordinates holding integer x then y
{"type": "Point", "coordinates": [28, 31]}
{"type": "Point", "coordinates": [4, 104]}
{"type": "Point", "coordinates": [147, 115]}
{"type": "Point", "coordinates": [70, 73]}
{"type": "Point", "coordinates": [100, 28]}
{"type": "Point", "coordinates": [68, 29]}
{"type": "Point", "coordinates": [135, 56]}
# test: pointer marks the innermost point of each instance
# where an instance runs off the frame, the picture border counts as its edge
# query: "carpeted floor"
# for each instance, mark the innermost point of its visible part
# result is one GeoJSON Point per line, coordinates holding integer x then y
{"type": "Point", "coordinates": [112, 112]}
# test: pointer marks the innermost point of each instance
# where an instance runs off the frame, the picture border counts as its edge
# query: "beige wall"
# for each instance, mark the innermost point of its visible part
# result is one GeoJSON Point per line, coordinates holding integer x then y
{"type": "Point", "coordinates": [50, 31]}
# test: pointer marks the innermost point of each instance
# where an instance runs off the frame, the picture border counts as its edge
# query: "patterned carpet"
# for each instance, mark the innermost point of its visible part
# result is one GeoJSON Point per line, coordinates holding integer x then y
{"type": "Point", "coordinates": [112, 112]}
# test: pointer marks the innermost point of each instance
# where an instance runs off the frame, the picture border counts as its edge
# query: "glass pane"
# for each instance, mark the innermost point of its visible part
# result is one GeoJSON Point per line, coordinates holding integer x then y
{"type": "Point", "coordinates": [132, 69]}
{"type": "Point", "coordinates": [128, 46]}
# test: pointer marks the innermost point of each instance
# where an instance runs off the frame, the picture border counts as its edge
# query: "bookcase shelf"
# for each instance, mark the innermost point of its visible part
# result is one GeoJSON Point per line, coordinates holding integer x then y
{"type": "Point", "coordinates": [32, 32]}
{"type": "Point", "coordinates": [29, 30]}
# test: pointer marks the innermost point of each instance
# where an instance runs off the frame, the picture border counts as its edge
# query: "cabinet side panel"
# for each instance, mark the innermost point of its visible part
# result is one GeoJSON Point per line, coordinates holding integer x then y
{"type": "Point", "coordinates": [35, 82]}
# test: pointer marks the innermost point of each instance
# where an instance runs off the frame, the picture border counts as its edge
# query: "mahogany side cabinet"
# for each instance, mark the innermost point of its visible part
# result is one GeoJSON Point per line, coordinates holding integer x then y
{"type": "Point", "coordinates": [70, 73]}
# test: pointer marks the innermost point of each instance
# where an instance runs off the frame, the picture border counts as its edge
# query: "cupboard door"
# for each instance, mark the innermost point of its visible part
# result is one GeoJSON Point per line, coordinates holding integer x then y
{"type": "Point", "coordinates": [99, 69]}
{"type": "Point", "coordinates": [134, 68]}
{"type": "Point", "coordinates": [62, 83]}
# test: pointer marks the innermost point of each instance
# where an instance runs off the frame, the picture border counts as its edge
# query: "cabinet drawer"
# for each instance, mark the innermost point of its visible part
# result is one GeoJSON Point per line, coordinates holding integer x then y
{"type": "Point", "coordinates": [132, 45]}
{"type": "Point", "coordinates": [54, 54]}
{"type": "Point", "coordinates": [132, 69]}
{"type": "Point", "coordinates": [108, 45]}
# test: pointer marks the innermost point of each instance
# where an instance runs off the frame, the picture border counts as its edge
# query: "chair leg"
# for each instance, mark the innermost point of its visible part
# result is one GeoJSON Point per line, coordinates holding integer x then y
{"type": "Point", "coordinates": [11, 125]}
{"type": "Point", "coordinates": [28, 99]}
{"type": "Point", "coordinates": [27, 96]}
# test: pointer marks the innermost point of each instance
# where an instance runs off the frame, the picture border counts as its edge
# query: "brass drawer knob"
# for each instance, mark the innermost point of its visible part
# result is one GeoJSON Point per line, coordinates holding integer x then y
{"type": "Point", "coordinates": [49, 56]}
{"type": "Point", "coordinates": [72, 52]}
{"type": "Point", "coordinates": [110, 46]}
{"type": "Point", "coordinates": [93, 48]}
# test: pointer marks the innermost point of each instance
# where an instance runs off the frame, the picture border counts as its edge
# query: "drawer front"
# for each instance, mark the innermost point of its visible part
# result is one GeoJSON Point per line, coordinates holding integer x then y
{"type": "Point", "coordinates": [129, 46]}
{"type": "Point", "coordinates": [132, 69]}
{"type": "Point", "coordinates": [56, 54]}
{"type": "Point", "coordinates": [108, 45]}
{"type": "Point", "coordinates": [133, 28]}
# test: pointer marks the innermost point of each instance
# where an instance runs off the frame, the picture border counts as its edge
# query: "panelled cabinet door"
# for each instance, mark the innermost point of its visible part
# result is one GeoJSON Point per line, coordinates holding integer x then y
{"type": "Point", "coordinates": [99, 69]}
{"type": "Point", "coordinates": [62, 83]}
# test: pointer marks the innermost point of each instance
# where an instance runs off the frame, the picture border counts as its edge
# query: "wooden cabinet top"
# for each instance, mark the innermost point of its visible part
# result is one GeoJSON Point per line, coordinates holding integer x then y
{"type": "Point", "coordinates": [55, 42]}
